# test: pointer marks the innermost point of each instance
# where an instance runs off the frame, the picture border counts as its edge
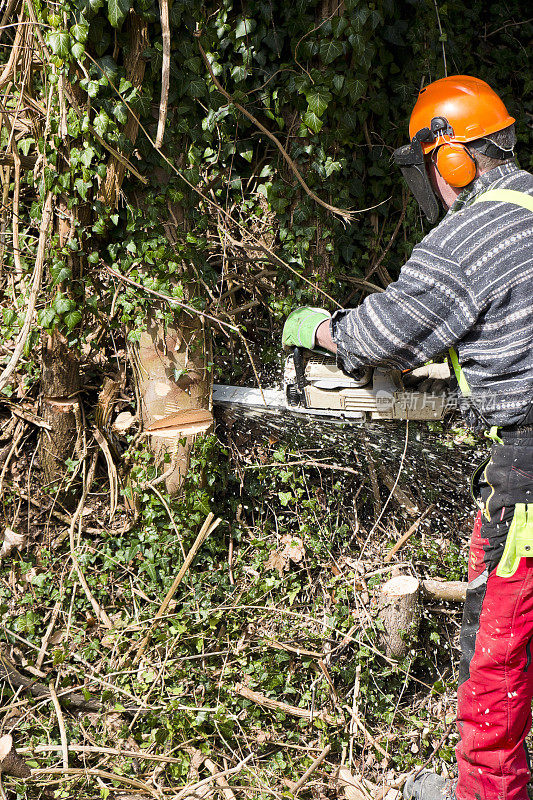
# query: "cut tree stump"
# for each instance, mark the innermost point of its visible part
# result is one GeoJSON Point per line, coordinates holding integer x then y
{"type": "Point", "coordinates": [10, 762]}
{"type": "Point", "coordinates": [399, 610]}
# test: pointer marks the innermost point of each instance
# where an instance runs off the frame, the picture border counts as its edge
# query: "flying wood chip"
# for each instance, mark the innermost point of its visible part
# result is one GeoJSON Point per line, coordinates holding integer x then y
{"type": "Point", "coordinates": [190, 422]}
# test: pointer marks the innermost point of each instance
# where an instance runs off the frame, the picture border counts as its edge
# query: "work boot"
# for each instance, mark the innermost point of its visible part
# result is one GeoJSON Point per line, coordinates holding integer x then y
{"type": "Point", "coordinates": [428, 786]}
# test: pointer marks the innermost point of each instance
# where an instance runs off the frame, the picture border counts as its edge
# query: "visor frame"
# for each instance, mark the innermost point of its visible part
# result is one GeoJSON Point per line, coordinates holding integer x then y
{"type": "Point", "coordinates": [412, 163]}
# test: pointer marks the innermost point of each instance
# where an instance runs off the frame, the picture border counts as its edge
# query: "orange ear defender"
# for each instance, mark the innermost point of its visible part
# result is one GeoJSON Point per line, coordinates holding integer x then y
{"type": "Point", "coordinates": [455, 164]}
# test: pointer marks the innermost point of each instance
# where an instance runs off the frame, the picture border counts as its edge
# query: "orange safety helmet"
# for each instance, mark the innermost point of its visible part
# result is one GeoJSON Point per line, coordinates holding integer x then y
{"type": "Point", "coordinates": [470, 108]}
{"type": "Point", "coordinates": [448, 114]}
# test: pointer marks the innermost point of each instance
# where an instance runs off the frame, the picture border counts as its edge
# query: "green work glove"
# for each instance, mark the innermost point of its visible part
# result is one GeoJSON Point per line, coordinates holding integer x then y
{"type": "Point", "coordinates": [300, 327]}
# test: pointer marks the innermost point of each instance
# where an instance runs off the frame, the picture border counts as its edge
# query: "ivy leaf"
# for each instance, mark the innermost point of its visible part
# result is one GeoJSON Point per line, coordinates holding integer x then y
{"type": "Point", "coordinates": [124, 86]}
{"type": "Point", "coordinates": [117, 11]}
{"type": "Point", "coordinates": [81, 187]}
{"type": "Point", "coordinates": [338, 82]}
{"type": "Point", "coordinates": [77, 50]}
{"type": "Point", "coordinates": [60, 272]}
{"type": "Point", "coordinates": [90, 7]}
{"type": "Point", "coordinates": [72, 319]}
{"type": "Point", "coordinates": [318, 100]}
{"type": "Point", "coordinates": [120, 112]}
{"type": "Point", "coordinates": [92, 88]}
{"type": "Point", "coordinates": [329, 51]}
{"type": "Point", "coordinates": [109, 69]}
{"type": "Point", "coordinates": [47, 317]}
{"type": "Point", "coordinates": [87, 155]}
{"type": "Point", "coordinates": [244, 28]}
{"type": "Point", "coordinates": [356, 88]}
{"type": "Point", "coordinates": [62, 304]}
{"type": "Point", "coordinates": [80, 32]}
{"type": "Point", "coordinates": [239, 74]}
{"type": "Point", "coordinates": [59, 42]}
{"type": "Point", "coordinates": [313, 122]}
{"type": "Point", "coordinates": [246, 153]}
{"type": "Point", "coordinates": [196, 87]}
{"type": "Point", "coordinates": [285, 498]}
{"type": "Point", "coordinates": [101, 122]}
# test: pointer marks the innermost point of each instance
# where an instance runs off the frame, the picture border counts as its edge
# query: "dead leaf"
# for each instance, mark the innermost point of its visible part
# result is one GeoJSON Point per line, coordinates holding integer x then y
{"type": "Point", "coordinates": [12, 541]}
{"type": "Point", "coordinates": [277, 561]}
{"type": "Point", "coordinates": [352, 788]}
{"type": "Point", "coordinates": [294, 548]}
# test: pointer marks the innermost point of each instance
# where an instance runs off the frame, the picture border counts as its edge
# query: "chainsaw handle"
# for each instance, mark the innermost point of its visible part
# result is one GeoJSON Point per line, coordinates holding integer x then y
{"type": "Point", "coordinates": [298, 359]}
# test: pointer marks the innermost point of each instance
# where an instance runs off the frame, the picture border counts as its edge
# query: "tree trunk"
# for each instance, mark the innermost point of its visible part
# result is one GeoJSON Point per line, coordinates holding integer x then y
{"type": "Point", "coordinates": [400, 613]}
{"type": "Point", "coordinates": [171, 375]}
{"type": "Point", "coordinates": [60, 384]}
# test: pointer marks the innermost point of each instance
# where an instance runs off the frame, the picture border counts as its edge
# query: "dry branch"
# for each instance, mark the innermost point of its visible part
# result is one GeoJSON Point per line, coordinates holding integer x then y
{"type": "Point", "coordinates": [165, 72]}
{"type": "Point", "coordinates": [407, 535]}
{"type": "Point", "coordinates": [32, 300]}
{"type": "Point", "coordinates": [344, 214]}
{"type": "Point", "coordinates": [452, 591]}
{"type": "Point", "coordinates": [71, 700]}
{"type": "Point", "coordinates": [207, 528]}
{"type": "Point", "coordinates": [309, 771]}
{"type": "Point", "coordinates": [276, 705]}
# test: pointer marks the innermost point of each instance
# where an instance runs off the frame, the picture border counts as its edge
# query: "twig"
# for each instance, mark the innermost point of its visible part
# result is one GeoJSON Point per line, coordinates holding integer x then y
{"type": "Point", "coordinates": [109, 751]}
{"type": "Point", "coordinates": [442, 38]}
{"type": "Point", "coordinates": [276, 705]}
{"type": "Point", "coordinates": [378, 520]}
{"type": "Point", "coordinates": [309, 771]}
{"type": "Point", "coordinates": [111, 471]}
{"type": "Point", "coordinates": [303, 463]}
{"type": "Point", "coordinates": [46, 638]}
{"type": "Point", "coordinates": [407, 535]}
{"type": "Point", "coordinates": [207, 528]}
{"type": "Point", "coordinates": [32, 300]}
{"type": "Point", "coordinates": [395, 232]}
{"type": "Point", "coordinates": [346, 216]}
{"type": "Point", "coordinates": [7, 72]}
{"type": "Point", "coordinates": [373, 478]}
{"type": "Point", "coordinates": [100, 613]}
{"type": "Point", "coordinates": [368, 735]}
{"type": "Point", "coordinates": [401, 497]}
{"type": "Point", "coordinates": [171, 300]}
{"type": "Point", "coordinates": [192, 789]}
{"type": "Point", "coordinates": [61, 724]}
{"type": "Point", "coordinates": [111, 776]}
{"type": "Point", "coordinates": [165, 73]}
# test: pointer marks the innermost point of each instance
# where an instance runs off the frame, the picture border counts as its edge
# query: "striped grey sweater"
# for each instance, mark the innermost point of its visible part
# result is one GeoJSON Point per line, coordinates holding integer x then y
{"type": "Point", "coordinates": [468, 284]}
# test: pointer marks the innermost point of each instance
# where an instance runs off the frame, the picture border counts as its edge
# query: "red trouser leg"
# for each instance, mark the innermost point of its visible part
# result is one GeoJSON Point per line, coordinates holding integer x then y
{"type": "Point", "coordinates": [496, 674]}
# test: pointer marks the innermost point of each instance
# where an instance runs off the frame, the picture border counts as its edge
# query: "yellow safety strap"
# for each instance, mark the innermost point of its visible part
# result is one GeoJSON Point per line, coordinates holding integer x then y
{"type": "Point", "coordinates": [493, 434]}
{"type": "Point", "coordinates": [466, 391]}
{"type": "Point", "coordinates": [506, 196]}
{"type": "Point", "coordinates": [519, 542]}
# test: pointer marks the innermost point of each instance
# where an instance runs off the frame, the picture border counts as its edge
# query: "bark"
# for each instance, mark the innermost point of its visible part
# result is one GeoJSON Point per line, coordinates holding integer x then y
{"type": "Point", "coordinates": [60, 385]}
{"type": "Point", "coordinates": [399, 612]}
{"type": "Point", "coordinates": [171, 372]}
{"type": "Point", "coordinates": [10, 762]}
{"type": "Point", "coordinates": [452, 591]}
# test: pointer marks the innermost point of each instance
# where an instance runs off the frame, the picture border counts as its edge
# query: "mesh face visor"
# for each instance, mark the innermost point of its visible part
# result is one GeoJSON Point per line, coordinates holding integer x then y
{"type": "Point", "coordinates": [410, 159]}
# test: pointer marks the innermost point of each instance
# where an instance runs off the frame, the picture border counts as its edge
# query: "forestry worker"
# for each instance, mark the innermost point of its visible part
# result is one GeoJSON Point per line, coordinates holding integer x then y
{"type": "Point", "coordinates": [466, 289]}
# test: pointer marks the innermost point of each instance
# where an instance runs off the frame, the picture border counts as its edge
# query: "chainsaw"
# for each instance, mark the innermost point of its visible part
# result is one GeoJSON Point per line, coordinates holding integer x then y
{"type": "Point", "coordinates": [314, 385]}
